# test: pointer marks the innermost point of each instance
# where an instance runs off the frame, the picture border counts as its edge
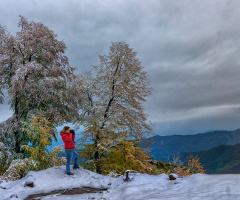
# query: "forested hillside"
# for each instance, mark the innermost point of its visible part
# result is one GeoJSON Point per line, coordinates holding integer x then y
{"type": "Point", "coordinates": [223, 159]}
{"type": "Point", "coordinates": [164, 146]}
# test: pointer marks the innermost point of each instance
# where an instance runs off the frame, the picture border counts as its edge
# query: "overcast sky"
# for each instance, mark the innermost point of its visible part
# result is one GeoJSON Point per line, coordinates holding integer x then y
{"type": "Point", "coordinates": [190, 49]}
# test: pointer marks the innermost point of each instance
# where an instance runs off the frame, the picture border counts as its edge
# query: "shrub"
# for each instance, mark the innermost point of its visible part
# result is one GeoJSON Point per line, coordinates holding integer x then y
{"type": "Point", "coordinates": [19, 168]}
{"type": "Point", "coordinates": [40, 132]}
{"type": "Point", "coordinates": [6, 157]}
{"type": "Point", "coordinates": [119, 157]}
{"type": "Point", "coordinates": [160, 165]}
{"type": "Point", "coordinates": [182, 171]}
{"type": "Point", "coordinates": [194, 167]}
{"type": "Point", "coordinates": [89, 165]}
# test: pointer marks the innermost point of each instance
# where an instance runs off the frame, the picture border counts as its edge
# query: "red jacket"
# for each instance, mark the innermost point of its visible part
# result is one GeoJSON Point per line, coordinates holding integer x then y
{"type": "Point", "coordinates": [68, 140]}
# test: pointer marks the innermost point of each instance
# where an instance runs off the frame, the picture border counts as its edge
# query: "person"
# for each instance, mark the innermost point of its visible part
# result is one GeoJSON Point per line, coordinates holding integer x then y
{"type": "Point", "coordinates": [68, 139]}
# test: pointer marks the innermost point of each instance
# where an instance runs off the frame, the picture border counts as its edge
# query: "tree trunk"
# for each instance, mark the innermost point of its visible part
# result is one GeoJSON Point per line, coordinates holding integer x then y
{"type": "Point", "coordinates": [17, 145]}
{"type": "Point", "coordinates": [97, 155]}
{"type": "Point", "coordinates": [97, 138]}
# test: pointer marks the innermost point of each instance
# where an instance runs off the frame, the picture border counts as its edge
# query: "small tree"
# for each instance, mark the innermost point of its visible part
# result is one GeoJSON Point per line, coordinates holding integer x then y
{"type": "Point", "coordinates": [176, 159]}
{"type": "Point", "coordinates": [194, 165]}
{"type": "Point", "coordinates": [40, 132]}
{"type": "Point", "coordinates": [115, 91]}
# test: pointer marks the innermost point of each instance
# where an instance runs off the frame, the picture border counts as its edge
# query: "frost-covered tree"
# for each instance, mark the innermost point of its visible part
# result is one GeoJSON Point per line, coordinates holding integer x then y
{"type": "Point", "coordinates": [37, 76]}
{"type": "Point", "coordinates": [115, 91]}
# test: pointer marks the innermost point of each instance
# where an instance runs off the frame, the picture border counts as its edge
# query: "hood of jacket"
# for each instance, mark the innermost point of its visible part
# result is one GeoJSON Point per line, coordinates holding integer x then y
{"type": "Point", "coordinates": [62, 133]}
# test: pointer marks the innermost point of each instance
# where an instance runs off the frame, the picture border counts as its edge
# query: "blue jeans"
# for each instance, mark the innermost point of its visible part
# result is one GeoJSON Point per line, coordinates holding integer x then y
{"type": "Point", "coordinates": [69, 155]}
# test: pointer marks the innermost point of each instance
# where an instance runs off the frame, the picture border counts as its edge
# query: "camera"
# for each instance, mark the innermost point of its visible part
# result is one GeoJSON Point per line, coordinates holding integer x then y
{"type": "Point", "coordinates": [72, 131]}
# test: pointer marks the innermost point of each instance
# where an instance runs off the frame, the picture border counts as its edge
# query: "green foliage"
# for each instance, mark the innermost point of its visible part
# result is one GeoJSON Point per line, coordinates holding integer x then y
{"type": "Point", "coordinates": [161, 165]}
{"type": "Point", "coordinates": [40, 132]}
{"type": "Point", "coordinates": [118, 155]}
{"type": "Point", "coordinates": [165, 167]}
{"type": "Point", "coordinates": [90, 165]}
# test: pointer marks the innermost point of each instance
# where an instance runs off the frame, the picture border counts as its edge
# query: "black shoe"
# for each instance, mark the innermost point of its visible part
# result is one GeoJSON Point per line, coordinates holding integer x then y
{"type": "Point", "coordinates": [70, 173]}
{"type": "Point", "coordinates": [76, 167]}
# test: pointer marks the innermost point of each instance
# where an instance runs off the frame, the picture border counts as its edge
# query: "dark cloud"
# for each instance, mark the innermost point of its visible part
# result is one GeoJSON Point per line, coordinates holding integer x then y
{"type": "Point", "coordinates": [190, 50]}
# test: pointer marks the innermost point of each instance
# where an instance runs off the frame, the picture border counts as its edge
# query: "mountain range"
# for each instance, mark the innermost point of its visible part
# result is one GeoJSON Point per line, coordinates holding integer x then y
{"type": "Point", "coordinates": [163, 147]}
{"type": "Point", "coordinates": [224, 159]}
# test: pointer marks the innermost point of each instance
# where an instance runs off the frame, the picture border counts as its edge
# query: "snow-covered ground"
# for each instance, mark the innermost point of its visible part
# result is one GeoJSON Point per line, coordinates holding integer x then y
{"type": "Point", "coordinates": [143, 186]}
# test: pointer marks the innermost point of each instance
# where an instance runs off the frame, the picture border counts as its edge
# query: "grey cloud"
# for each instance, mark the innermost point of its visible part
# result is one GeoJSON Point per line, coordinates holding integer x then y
{"type": "Point", "coordinates": [189, 49]}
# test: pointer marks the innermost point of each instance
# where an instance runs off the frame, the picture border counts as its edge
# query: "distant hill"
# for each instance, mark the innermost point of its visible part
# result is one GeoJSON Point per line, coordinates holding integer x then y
{"type": "Point", "coordinates": [164, 146]}
{"type": "Point", "coordinates": [219, 160]}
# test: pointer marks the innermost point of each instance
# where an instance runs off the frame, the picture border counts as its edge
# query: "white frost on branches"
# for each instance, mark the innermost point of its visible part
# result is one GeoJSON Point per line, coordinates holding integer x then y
{"type": "Point", "coordinates": [37, 76]}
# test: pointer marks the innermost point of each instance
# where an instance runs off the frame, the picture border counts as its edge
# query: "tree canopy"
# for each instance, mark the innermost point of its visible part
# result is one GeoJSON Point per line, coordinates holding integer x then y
{"type": "Point", "coordinates": [114, 93]}
{"type": "Point", "coordinates": [37, 76]}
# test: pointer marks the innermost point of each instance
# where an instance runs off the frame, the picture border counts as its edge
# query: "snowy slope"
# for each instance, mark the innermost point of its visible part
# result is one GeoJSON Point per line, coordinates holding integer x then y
{"type": "Point", "coordinates": [143, 186]}
{"type": "Point", "coordinates": [52, 179]}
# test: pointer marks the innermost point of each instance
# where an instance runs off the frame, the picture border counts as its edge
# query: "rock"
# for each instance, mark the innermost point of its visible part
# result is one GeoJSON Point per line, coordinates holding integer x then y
{"type": "Point", "coordinates": [172, 176]}
{"type": "Point", "coordinates": [29, 184]}
{"type": "Point", "coordinates": [13, 196]}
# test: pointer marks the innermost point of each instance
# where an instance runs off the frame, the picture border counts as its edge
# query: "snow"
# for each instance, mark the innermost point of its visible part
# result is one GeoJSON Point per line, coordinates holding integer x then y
{"type": "Point", "coordinates": [142, 186]}
{"type": "Point", "coordinates": [52, 179]}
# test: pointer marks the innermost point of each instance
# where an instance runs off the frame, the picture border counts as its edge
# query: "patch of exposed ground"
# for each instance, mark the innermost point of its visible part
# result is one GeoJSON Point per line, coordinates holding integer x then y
{"type": "Point", "coordinates": [72, 191]}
